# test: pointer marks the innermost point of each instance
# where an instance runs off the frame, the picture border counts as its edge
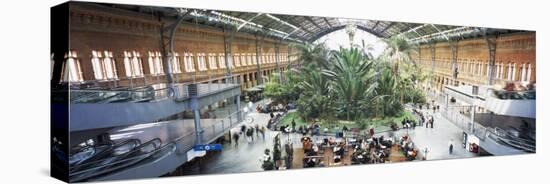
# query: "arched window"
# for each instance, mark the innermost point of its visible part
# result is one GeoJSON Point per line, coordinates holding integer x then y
{"type": "Point", "coordinates": [212, 61]}
{"type": "Point", "coordinates": [244, 59]}
{"type": "Point", "coordinates": [159, 68]}
{"type": "Point", "coordinates": [202, 61]}
{"type": "Point", "coordinates": [236, 60]}
{"type": "Point", "coordinates": [155, 63]}
{"type": "Point", "coordinates": [175, 66]}
{"type": "Point", "coordinates": [523, 73]}
{"type": "Point", "coordinates": [137, 66]}
{"type": "Point", "coordinates": [189, 62]}
{"type": "Point", "coordinates": [110, 66]}
{"type": "Point", "coordinates": [71, 71]}
{"type": "Point", "coordinates": [221, 60]}
{"type": "Point", "coordinates": [97, 65]}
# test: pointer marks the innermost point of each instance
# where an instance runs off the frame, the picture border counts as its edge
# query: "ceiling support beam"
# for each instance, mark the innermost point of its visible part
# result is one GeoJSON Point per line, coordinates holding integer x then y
{"type": "Point", "coordinates": [492, 46]}
{"type": "Point", "coordinates": [375, 25]}
{"type": "Point", "coordinates": [387, 27]}
{"type": "Point", "coordinates": [167, 35]}
{"type": "Point", "coordinates": [249, 20]}
{"type": "Point", "coordinates": [439, 31]}
{"type": "Point", "coordinates": [313, 22]}
{"type": "Point", "coordinates": [454, 57]}
{"type": "Point", "coordinates": [333, 29]}
{"type": "Point", "coordinates": [294, 23]}
{"type": "Point", "coordinates": [328, 23]}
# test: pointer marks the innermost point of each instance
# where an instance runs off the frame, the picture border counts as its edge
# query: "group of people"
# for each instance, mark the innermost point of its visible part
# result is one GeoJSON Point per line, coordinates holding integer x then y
{"type": "Point", "coordinates": [407, 146]}
{"type": "Point", "coordinates": [270, 108]}
{"type": "Point", "coordinates": [372, 150]}
{"type": "Point", "coordinates": [423, 120]}
{"type": "Point", "coordinates": [249, 132]}
{"type": "Point", "coordinates": [274, 118]}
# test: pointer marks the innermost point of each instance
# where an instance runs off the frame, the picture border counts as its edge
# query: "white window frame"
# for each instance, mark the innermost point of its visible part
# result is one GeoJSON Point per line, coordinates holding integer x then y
{"type": "Point", "coordinates": [201, 62]}
{"type": "Point", "coordinates": [71, 71]}
{"type": "Point", "coordinates": [221, 60]}
{"type": "Point", "coordinates": [236, 60]}
{"type": "Point", "coordinates": [110, 66]}
{"type": "Point", "coordinates": [175, 66]}
{"type": "Point", "coordinates": [189, 62]}
{"type": "Point", "coordinates": [212, 61]}
{"type": "Point", "coordinates": [97, 65]}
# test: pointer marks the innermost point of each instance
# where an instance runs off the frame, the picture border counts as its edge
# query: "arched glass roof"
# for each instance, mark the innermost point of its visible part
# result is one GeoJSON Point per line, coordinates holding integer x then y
{"type": "Point", "coordinates": [301, 28]}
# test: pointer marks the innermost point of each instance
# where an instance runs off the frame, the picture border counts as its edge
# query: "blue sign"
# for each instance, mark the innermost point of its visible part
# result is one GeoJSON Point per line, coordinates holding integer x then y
{"type": "Point", "coordinates": [208, 147]}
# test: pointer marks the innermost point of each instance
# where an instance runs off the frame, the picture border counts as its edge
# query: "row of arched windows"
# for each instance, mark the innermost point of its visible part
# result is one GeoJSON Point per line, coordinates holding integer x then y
{"type": "Point", "coordinates": [104, 66]}
{"type": "Point", "coordinates": [510, 71]}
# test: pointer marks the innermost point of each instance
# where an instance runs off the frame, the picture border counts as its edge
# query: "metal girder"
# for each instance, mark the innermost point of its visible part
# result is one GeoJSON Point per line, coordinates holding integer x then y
{"type": "Point", "coordinates": [439, 31]}
{"type": "Point", "coordinates": [330, 30]}
{"type": "Point", "coordinates": [259, 43]}
{"type": "Point", "coordinates": [375, 25]}
{"type": "Point", "coordinates": [228, 35]}
{"type": "Point", "coordinates": [249, 20]}
{"type": "Point", "coordinates": [432, 52]}
{"type": "Point", "coordinates": [454, 57]}
{"type": "Point", "coordinates": [167, 34]}
{"type": "Point", "coordinates": [290, 21]}
{"type": "Point", "coordinates": [313, 22]}
{"type": "Point", "coordinates": [328, 23]}
{"type": "Point", "coordinates": [492, 45]}
{"type": "Point", "coordinates": [387, 27]}
{"type": "Point", "coordinates": [277, 57]}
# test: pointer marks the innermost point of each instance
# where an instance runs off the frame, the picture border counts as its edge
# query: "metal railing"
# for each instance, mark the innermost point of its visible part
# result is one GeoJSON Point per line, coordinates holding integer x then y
{"type": "Point", "coordinates": [159, 91]}
{"type": "Point", "coordinates": [513, 95]}
{"type": "Point", "coordinates": [464, 122]}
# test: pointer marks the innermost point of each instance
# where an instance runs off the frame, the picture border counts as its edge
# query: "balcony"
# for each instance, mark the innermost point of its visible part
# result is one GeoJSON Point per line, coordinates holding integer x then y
{"type": "Point", "coordinates": [512, 103]}
{"type": "Point", "coordinates": [100, 108]}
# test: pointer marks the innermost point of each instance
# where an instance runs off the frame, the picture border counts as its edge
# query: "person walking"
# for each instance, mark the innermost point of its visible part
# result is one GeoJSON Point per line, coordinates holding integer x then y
{"type": "Point", "coordinates": [426, 150]}
{"type": "Point", "coordinates": [236, 138]}
{"type": "Point", "coordinates": [432, 122]}
{"type": "Point", "coordinates": [262, 131]}
{"type": "Point", "coordinates": [257, 128]}
{"type": "Point", "coordinates": [451, 147]}
{"type": "Point", "coordinates": [249, 135]}
{"type": "Point", "coordinates": [428, 121]}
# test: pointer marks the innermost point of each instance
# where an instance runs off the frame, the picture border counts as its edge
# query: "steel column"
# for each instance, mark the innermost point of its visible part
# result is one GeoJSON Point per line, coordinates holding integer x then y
{"type": "Point", "coordinates": [454, 57]}
{"type": "Point", "coordinates": [259, 76]}
{"type": "Point", "coordinates": [277, 54]}
{"type": "Point", "coordinates": [492, 46]}
{"type": "Point", "coordinates": [227, 39]}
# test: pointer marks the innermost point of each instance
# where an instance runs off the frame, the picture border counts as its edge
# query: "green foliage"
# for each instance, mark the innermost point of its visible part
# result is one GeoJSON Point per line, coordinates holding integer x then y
{"type": "Point", "coordinates": [350, 84]}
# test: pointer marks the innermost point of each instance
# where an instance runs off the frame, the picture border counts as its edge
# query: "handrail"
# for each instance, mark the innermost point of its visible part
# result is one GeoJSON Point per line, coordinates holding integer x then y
{"type": "Point", "coordinates": [93, 161]}
{"type": "Point", "coordinates": [130, 158]}
{"type": "Point", "coordinates": [136, 149]}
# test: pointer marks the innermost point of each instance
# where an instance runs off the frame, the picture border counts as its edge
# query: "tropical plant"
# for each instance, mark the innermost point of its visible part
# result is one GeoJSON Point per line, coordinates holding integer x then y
{"type": "Point", "coordinates": [398, 50]}
{"type": "Point", "coordinates": [351, 75]}
{"type": "Point", "coordinates": [312, 54]}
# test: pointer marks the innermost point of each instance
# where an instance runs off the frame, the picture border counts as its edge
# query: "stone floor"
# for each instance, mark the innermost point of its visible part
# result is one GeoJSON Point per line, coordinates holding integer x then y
{"type": "Point", "coordinates": [245, 157]}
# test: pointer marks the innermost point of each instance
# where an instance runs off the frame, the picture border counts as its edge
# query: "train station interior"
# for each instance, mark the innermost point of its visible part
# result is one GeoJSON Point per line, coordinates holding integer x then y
{"type": "Point", "coordinates": [148, 87]}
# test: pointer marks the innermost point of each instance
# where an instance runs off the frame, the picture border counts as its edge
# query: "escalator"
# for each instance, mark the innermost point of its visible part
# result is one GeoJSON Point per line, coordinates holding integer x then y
{"type": "Point", "coordinates": [521, 140]}
{"type": "Point", "coordinates": [88, 162]}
